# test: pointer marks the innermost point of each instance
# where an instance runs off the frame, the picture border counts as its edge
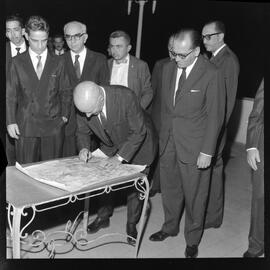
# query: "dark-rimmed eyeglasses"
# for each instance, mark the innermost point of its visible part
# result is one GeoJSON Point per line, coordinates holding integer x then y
{"type": "Point", "coordinates": [180, 55]}
{"type": "Point", "coordinates": [75, 37]}
{"type": "Point", "coordinates": [208, 36]}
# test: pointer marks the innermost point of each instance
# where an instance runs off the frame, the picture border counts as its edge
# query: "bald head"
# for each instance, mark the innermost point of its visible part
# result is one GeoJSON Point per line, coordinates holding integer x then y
{"type": "Point", "coordinates": [88, 98]}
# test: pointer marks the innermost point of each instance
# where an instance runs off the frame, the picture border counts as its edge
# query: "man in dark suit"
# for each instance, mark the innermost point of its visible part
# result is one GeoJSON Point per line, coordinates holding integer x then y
{"type": "Point", "coordinates": [192, 113]}
{"type": "Point", "coordinates": [89, 66]}
{"type": "Point", "coordinates": [128, 70]}
{"type": "Point", "coordinates": [126, 134]}
{"type": "Point", "coordinates": [38, 98]}
{"type": "Point", "coordinates": [227, 62]}
{"type": "Point", "coordinates": [155, 108]}
{"type": "Point", "coordinates": [255, 158]}
{"type": "Point", "coordinates": [58, 44]}
{"type": "Point", "coordinates": [16, 45]}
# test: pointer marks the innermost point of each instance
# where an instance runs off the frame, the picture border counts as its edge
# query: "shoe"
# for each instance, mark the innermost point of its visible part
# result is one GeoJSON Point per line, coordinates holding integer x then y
{"type": "Point", "coordinates": [159, 236]}
{"type": "Point", "coordinates": [97, 224]}
{"type": "Point", "coordinates": [131, 231]}
{"type": "Point", "coordinates": [248, 254]}
{"type": "Point", "coordinates": [153, 192]}
{"type": "Point", "coordinates": [191, 251]}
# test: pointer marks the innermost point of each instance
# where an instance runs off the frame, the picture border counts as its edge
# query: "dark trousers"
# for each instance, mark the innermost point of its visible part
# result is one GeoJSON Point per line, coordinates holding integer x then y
{"type": "Point", "coordinates": [33, 149]}
{"type": "Point", "coordinates": [154, 175]}
{"type": "Point", "coordinates": [215, 207]}
{"type": "Point", "coordinates": [183, 185]}
{"type": "Point", "coordinates": [69, 146]}
{"type": "Point", "coordinates": [256, 232]}
{"type": "Point", "coordinates": [10, 150]}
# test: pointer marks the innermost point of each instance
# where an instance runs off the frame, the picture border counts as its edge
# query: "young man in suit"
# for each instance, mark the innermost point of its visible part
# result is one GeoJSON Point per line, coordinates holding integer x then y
{"type": "Point", "coordinates": [38, 98]}
{"type": "Point", "coordinates": [89, 65]}
{"type": "Point", "coordinates": [227, 62]}
{"type": "Point", "coordinates": [155, 108]}
{"type": "Point", "coordinates": [128, 70]}
{"type": "Point", "coordinates": [16, 45]}
{"type": "Point", "coordinates": [58, 44]}
{"type": "Point", "coordinates": [255, 158]}
{"type": "Point", "coordinates": [125, 132]}
{"type": "Point", "coordinates": [192, 113]}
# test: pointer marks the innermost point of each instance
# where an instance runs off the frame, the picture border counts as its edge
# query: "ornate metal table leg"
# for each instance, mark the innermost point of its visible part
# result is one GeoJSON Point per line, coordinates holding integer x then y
{"type": "Point", "coordinates": [143, 196]}
{"type": "Point", "coordinates": [86, 211]}
{"type": "Point", "coordinates": [16, 232]}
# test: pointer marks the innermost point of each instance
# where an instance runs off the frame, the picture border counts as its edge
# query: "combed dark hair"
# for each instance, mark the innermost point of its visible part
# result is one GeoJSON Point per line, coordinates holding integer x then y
{"type": "Point", "coordinates": [120, 33]}
{"type": "Point", "coordinates": [15, 17]}
{"type": "Point", "coordinates": [194, 36]}
{"type": "Point", "coordinates": [219, 25]}
{"type": "Point", "coordinates": [58, 35]}
{"type": "Point", "coordinates": [36, 23]}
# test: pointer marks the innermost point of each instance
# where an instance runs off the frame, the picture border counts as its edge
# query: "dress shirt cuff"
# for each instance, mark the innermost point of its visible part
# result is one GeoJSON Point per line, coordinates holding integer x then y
{"type": "Point", "coordinates": [205, 154]}
{"type": "Point", "coordinates": [120, 158]}
{"type": "Point", "coordinates": [252, 148]}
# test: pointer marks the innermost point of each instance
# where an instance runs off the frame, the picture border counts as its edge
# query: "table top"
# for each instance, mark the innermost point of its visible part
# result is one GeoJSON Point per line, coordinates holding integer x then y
{"type": "Point", "coordinates": [24, 191]}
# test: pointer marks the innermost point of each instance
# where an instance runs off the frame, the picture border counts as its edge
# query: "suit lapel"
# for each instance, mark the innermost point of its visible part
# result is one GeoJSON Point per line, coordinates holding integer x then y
{"type": "Point", "coordinates": [110, 63]}
{"type": "Point", "coordinates": [70, 66]}
{"type": "Point", "coordinates": [194, 75]}
{"type": "Point", "coordinates": [29, 66]}
{"type": "Point", "coordinates": [131, 72]}
{"type": "Point", "coordinates": [88, 64]}
{"type": "Point", "coordinates": [170, 78]}
{"type": "Point", "coordinates": [47, 68]}
{"type": "Point", "coordinates": [216, 59]}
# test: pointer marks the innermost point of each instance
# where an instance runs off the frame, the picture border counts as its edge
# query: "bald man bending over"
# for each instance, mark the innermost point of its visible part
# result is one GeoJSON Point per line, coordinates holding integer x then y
{"type": "Point", "coordinates": [126, 134]}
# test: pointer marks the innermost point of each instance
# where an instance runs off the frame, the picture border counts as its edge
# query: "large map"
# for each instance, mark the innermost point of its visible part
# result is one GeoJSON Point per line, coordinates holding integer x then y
{"type": "Point", "coordinates": [72, 174]}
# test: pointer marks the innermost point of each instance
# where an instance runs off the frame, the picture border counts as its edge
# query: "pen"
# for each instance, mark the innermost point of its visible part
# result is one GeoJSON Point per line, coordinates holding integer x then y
{"type": "Point", "coordinates": [87, 157]}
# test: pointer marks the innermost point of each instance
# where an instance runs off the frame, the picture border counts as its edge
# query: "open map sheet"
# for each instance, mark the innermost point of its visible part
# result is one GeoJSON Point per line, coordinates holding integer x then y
{"type": "Point", "coordinates": [72, 174]}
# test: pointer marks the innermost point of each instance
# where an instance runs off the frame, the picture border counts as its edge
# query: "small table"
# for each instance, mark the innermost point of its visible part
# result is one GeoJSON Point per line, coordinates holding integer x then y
{"type": "Point", "coordinates": [24, 192]}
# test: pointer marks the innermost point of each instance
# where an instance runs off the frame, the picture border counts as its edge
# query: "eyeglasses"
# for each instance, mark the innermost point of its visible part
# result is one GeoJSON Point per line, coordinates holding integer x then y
{"type": "Point", "coordinates": [75, 37]}
{"type": "Point", "coordinates": [208, 36]}
{"type": "Point", "coordinates": [180, 55]}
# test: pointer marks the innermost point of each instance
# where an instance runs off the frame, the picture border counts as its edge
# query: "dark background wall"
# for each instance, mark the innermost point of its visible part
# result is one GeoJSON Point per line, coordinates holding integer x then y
{"type": "Point", "coordinates": [244, 22]}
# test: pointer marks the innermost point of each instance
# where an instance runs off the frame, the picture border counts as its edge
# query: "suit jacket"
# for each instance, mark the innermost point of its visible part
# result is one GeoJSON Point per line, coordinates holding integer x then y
{"type": "Point", "coordinates": [156, 80]}
{"type": "Point", "coordinates": [228, 65]}
{"type": "Point", "coordinates": [37, 106]}
{"type": "Point", "coordinates": [197, 116]}
{"type": "Point", "coordinates": [255, 130]}
{"type": "Point", "coordinates": [138, 80]}
{"type": "Point", "coordinates": [95, 69]}
{"type": "Point", "coordinates": [128, 132]}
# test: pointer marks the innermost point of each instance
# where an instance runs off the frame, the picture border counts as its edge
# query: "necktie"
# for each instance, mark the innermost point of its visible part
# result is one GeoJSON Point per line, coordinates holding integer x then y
{"type": "Point", "coordinates": [77, 66]}
{"type": "Point", "coordinates": [39, 67]}
{"type": "Point", "coordinates": [18, 50]}
{"type": "Point", "coordinates": [181, 82]}
{"type": "Point", "coordinates": [103, 118]}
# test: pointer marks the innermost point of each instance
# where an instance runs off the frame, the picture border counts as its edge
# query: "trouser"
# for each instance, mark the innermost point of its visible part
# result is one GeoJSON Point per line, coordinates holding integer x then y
{"type": "Point", "coordinates": [215, 207]}
{"type": "Point", "coordinates": [33, 149]}
{"type": "Point", "coordinates": [183, 184]}
{"type": "Point", "coordinates": [155, 175]}
{"type": "Point", "coordinates": [69, 146]}
{"type": "Point", "coordinates": [256, 232]}
{"type": "Point", "coordinates": [10, 150]}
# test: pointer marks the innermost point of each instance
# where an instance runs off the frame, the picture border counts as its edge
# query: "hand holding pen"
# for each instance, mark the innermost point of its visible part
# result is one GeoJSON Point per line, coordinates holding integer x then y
{"type": "Point", "coordinates": [85, 155]}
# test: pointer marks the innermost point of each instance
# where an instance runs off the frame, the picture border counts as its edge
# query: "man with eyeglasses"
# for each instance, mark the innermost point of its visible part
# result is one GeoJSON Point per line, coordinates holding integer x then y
{"type": "Point", "coordinates": [227, 62]}
{"type": "Point", "coordinates": [156, 81]}
{"type": "Point", "coordinates": [16, 44]}
{"type": "Point", "coordinates": [82, 64]}
{"type": "Point", "coordinates": [38, 98]}
{"type": "Point", "coordinates": [192, 113]}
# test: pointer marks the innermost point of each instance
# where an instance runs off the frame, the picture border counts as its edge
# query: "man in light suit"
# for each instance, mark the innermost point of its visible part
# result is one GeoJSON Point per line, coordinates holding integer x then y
{"type": "Point", "coordinates": [16, 45]}
{"type": "Point", "coordinates": [227, 62]}
{"type": "Point", "coordinates": [125, 132]}
{"type": "Point", "coordinates": [155, 110]}
{"type": "Point", "coordinates": [192, 113]}
{"type": "Point", "coordinates": [128, 70]}
{"type": "Point", "coordinates": [92, 66]}
{"type": "Point", "coordinates": [38, 98]}
{"type": "Point", "coordinates": [255, 158]}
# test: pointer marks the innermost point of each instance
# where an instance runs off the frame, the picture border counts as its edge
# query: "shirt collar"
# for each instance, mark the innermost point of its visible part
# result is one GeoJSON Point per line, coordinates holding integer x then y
{"type": "Point", "coordinates": [125, 61]}
{"type": "Point", "coordinates": [34, 54]}
{"type": "Point", "coordinates": [104, 104]}
{"type": "Point", "coordinates": [22, 46]}
{"type": "Point", "coordinates": [82, 53]}
{"type": "Point", "coordinates": [189, 68]}
{"type": "Point", "coordinates": [219, 49]}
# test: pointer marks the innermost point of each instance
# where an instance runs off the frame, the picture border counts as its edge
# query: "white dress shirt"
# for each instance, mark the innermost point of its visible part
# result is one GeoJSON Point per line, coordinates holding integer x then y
{"type": "Point", "coordinates": [219, 49]}
{"type": "Point", "coordinates": [119, 74]}
{"type": "Point", "coordinates": [34, 58]}
{"type": "Point", "coordinates": [59, 52]}
{"type": "Point", "coordinates": [81, 59]}
{"type": "Point", "coordinates": [13, 48]}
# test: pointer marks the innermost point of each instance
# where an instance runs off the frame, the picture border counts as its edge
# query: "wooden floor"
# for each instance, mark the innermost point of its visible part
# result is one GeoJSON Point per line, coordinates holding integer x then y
{"type": "Point", "coordinates": [230, 240]}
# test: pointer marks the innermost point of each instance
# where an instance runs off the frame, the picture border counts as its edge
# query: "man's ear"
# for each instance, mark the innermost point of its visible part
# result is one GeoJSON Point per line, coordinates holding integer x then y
{"type": "Point", "coordinates": [221, 36]}
{"type": "Point", "coordinates": [197, 51]}
{"type": "Point", "coordinates": [23, 31]}
{"type": "Point", "coordinates": [129, 48]}
{"type": "Point", "coordinates": [26, 35]}
{"type": "Point", "coordinates": [85, 36]}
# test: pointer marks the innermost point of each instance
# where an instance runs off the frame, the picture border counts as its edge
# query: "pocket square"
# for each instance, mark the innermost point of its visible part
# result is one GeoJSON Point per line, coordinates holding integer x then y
{"type": "Point", "coordinates": [53, 75]}
{"type": "Point", "coordinates": [195, 91]}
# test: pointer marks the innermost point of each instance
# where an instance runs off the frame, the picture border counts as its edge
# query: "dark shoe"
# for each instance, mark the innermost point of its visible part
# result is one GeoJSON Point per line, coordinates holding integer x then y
{"type": "Point", "coordinates": [131, 231]}
{"type": "Point", "coordinates": [191, 251]}
{"type": "Point", "coordinates": [153, 192]}
{"type": "Point", "coordinates": [97, 224]}
{"type": "Point", "coordinates": [247, 254]}
{"type": "Point", "coordinates": [159, 236]}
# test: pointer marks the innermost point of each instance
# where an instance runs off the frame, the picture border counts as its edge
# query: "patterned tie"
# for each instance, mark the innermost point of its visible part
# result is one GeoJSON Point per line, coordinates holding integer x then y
{"type": "Point", "coordinates": [18, 50]}
{"type": "Point", "coordinates": [181, 82]}
{"type": "Point", "coordinates": [39, 67]}
{"type": "Point", "coordinates": [77, 66]}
